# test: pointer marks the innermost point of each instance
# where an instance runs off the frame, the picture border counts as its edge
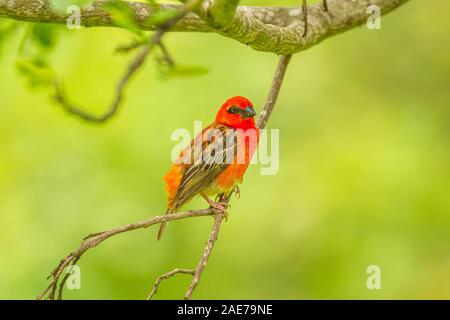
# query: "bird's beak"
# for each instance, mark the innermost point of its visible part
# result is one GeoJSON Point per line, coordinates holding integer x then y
{"type": "Point", "coordinates": [248, 112]}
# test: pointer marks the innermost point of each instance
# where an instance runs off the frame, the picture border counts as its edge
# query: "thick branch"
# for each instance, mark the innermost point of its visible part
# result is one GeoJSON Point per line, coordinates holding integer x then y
{"type": "Point", "coordinates": [341, 16]}
{"type": "Point", "coordinates": [204, 259]}
{"type": "Point", "coordinates": [94, 15]}
{"type": "Point", "coordinates": [270, 29]}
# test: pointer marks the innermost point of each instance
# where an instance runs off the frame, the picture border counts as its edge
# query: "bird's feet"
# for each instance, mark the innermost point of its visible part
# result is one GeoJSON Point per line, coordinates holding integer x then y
{"type": "Point", "coordinates": [218, 206]}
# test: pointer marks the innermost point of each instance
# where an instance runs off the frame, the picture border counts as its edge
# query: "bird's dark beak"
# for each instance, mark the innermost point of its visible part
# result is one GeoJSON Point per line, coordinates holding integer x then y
{"type": "Point", "coordinates": [248, 112]}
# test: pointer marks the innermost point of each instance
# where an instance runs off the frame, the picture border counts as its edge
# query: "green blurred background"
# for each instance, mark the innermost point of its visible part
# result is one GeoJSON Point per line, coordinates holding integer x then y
{"type": "Point", "coordinates": [364, 174]}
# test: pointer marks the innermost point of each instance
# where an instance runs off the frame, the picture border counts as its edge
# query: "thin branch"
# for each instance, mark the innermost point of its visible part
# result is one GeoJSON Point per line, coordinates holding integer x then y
{"type": "Point", "coordinates": [270, 29]}
{"type": "Point", "coordinates": [166, 57]}
{"type": "Point", "coordinates": [137, 62]}
{"type": "Point", "coordinates": [166, 276]}
{"type": "Point", "coordinates": [130, 47]}
{"type": "Point", "coordinates": [94, 240]}
{"type": "Point", "coordinates": [204, 259]}
{"type": "Point", "coordinates": [274, 91]}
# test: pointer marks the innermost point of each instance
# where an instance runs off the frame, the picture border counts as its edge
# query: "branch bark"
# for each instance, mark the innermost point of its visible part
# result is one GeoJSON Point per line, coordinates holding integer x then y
{"type": "Point", "coordinates": [270, 29]}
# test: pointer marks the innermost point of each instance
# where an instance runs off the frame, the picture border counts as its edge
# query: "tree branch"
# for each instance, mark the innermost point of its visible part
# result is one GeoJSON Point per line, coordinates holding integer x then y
{"type": "Point", "coordinates": [166, 276]}
{"type": "Point", "coordinates": [271, 29]}
{"type": "Point", "coordinates": [95, 239]}
{"type": "Point", "coordinates": [274, 91]}
{"type": "Point", "coordinates": [95, 15]}
{"type": "Point", "coordinates": [204, 259]}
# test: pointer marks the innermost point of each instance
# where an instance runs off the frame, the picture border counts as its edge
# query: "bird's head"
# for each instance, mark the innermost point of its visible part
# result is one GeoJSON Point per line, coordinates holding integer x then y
{"type": "Point", "coordinates": [237, 112]}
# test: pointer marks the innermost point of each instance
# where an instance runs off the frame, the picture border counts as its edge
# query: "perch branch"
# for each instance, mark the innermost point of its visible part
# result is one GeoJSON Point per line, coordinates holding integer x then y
{"type": "Point", "coordinates": [271, 29]}
{"type": "Point", "coordinates": [204, 259]}
{"type": "Point", "coordinates": [95, 239]}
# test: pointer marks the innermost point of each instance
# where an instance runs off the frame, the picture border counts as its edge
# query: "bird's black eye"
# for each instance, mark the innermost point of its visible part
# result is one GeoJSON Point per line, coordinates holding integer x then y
{"type": "Point", "coordinates": [234, 110]}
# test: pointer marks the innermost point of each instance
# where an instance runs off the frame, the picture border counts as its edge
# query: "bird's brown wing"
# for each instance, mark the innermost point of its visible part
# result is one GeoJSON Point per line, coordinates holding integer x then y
{"type": "Point", "coordinates": [207, 165]}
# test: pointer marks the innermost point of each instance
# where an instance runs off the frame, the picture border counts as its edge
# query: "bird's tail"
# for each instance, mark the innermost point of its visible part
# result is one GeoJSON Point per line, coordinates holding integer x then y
{"type": "Point", "coordinates": [163, 225]}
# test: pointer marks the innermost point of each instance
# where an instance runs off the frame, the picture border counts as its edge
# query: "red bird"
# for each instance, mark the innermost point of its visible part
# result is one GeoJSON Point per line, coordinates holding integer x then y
{"type": "Point", "coordinates": [216, 160]}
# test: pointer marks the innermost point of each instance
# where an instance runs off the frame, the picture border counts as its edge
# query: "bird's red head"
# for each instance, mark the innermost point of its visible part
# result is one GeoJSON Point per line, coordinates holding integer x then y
{"type": "Point", "coordinates": [237, 112]}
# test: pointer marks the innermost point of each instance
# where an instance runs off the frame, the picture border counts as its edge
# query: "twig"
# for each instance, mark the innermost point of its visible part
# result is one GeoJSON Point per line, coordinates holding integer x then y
{"type": "Point", "coordinates": [204, 259]}
{"type": "Point", "coordinates": [138, 61]}
{"type": "Point", "coordinates": [167, 57]}
{"type": "Point", "coordinates": [130, 47]}
{"type": "Point", "coordinates": [166, 276]}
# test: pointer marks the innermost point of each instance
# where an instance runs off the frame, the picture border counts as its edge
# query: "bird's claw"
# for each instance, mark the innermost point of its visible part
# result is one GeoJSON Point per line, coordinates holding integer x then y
{"type": "Point", "coordinates": [220, 207]}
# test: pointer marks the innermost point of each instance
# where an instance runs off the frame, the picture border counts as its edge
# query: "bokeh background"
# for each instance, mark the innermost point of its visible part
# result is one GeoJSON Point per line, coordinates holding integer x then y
{"type": "Point", "coordinates": [364, 175]}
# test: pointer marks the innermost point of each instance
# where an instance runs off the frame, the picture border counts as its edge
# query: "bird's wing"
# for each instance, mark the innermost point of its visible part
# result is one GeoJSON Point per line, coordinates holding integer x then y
{"type": "Point", "coordinates": [216, 153]}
